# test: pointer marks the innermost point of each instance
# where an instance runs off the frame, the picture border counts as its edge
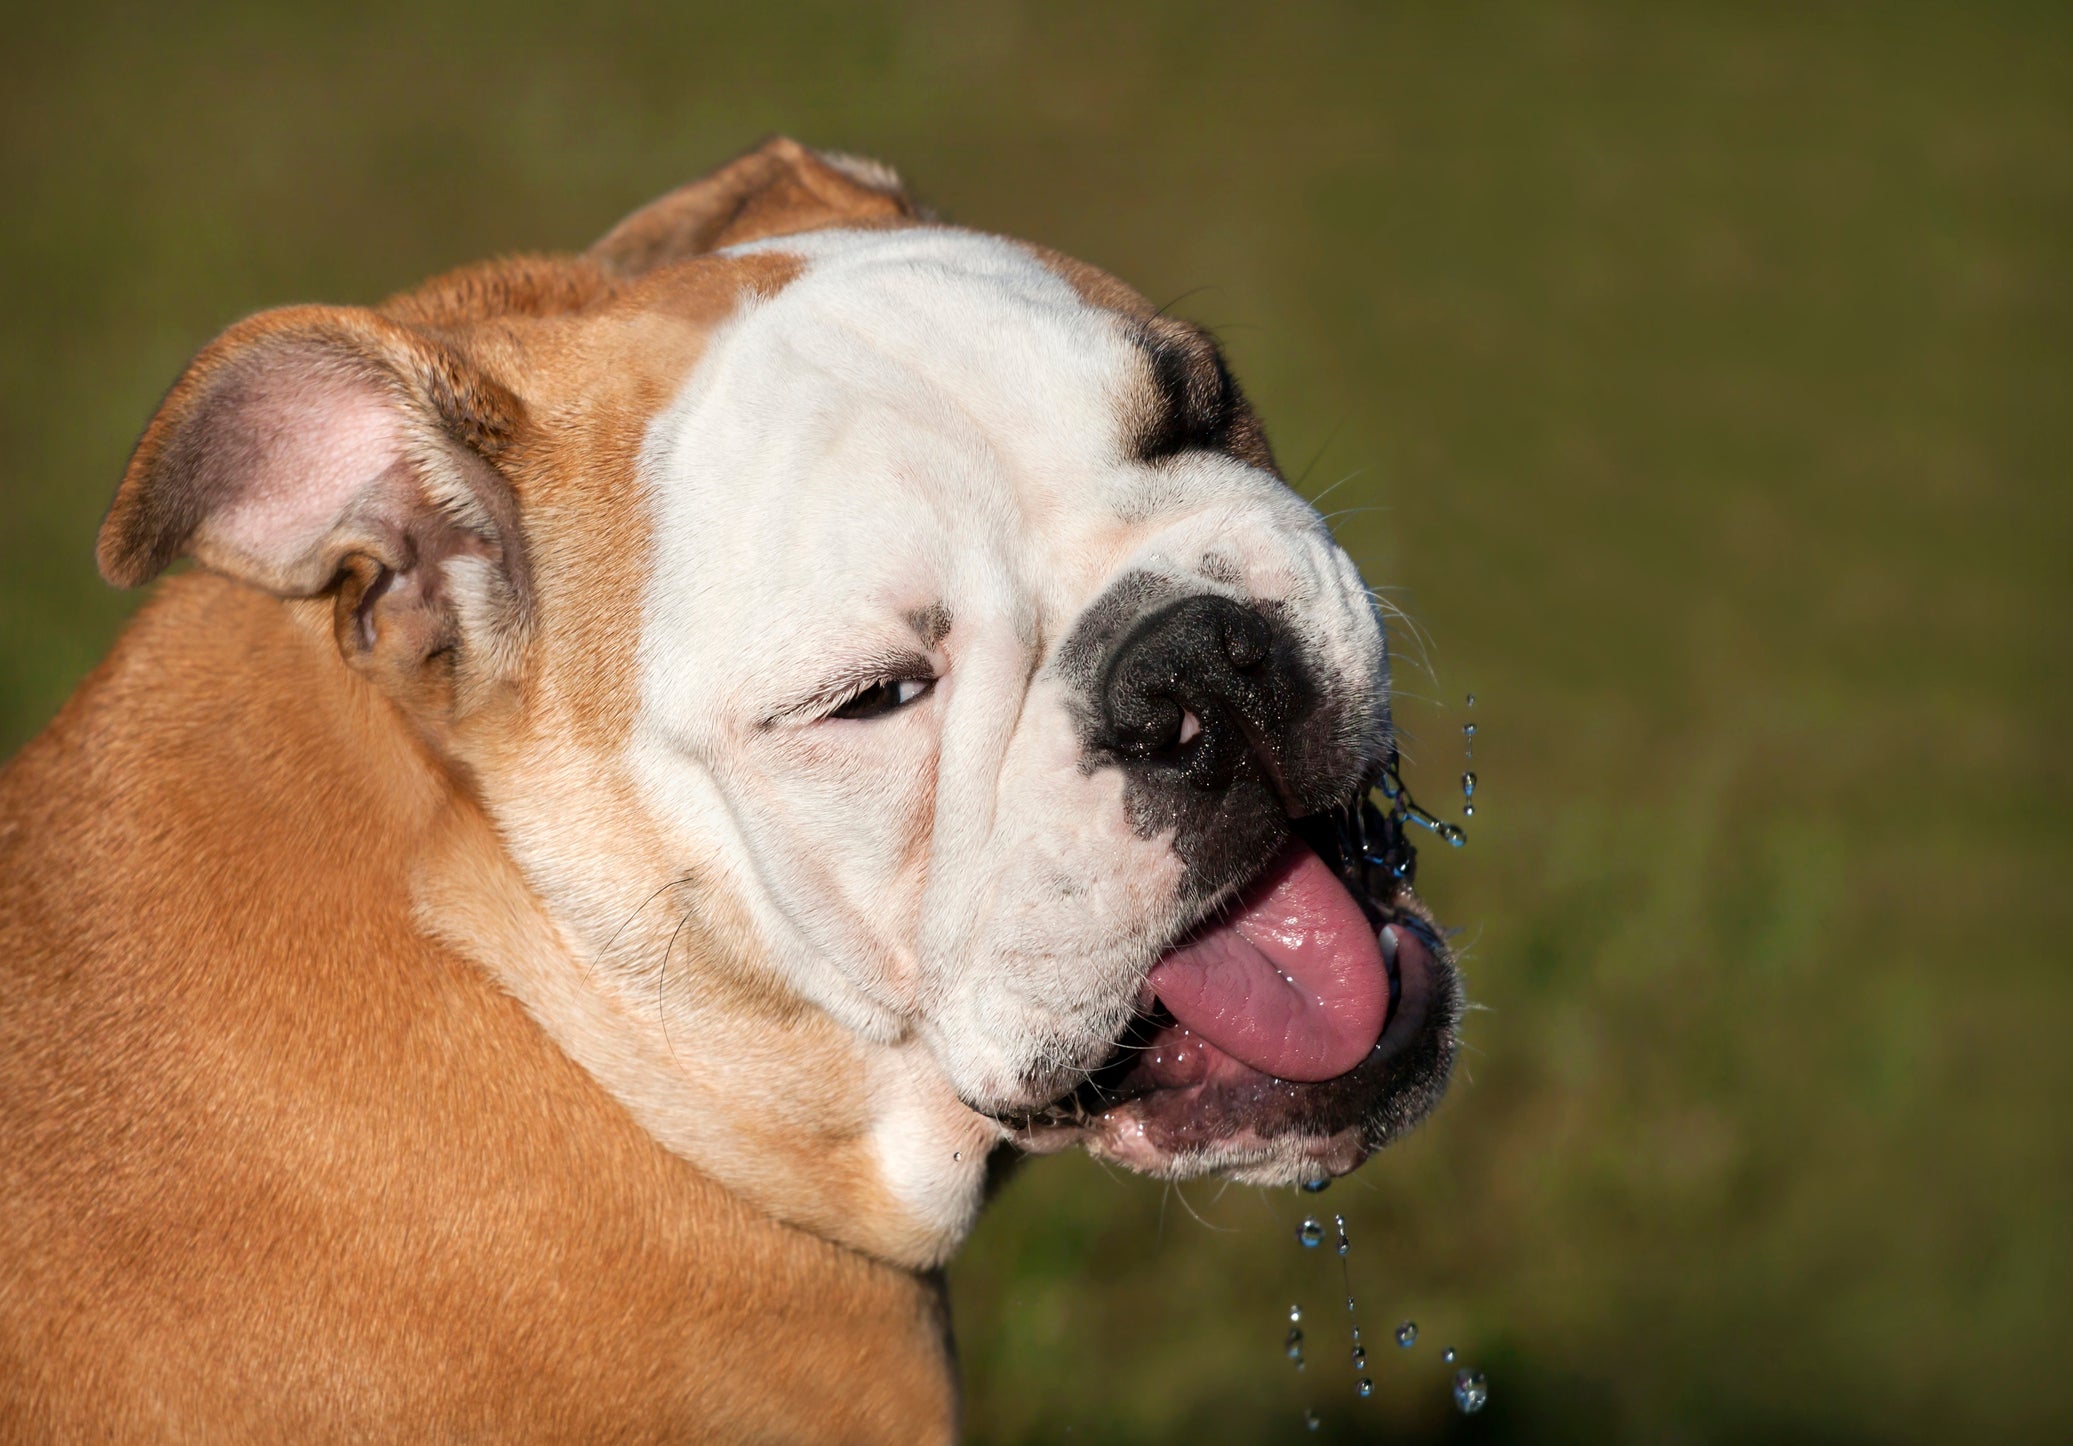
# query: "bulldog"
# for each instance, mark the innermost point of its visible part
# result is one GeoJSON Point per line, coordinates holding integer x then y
{"type": "Point", "coordinates": [670, 764]}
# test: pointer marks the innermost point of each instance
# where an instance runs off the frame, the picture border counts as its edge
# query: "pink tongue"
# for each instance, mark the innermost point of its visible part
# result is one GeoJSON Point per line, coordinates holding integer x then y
{"type": "Point", "coordinates": [1291, 983]}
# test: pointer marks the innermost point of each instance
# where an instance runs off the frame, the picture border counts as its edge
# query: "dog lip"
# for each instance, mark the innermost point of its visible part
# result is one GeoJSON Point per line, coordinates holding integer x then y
{"type": "Point", "coordinates": [1412, 963]}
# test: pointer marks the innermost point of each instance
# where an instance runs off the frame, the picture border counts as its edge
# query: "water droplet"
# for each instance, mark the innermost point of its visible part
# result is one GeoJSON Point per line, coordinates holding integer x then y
{"type": "Point", "coordinates": [1468, 810]}
{"type": "Point", "coordinates": [1452, 834]}
{"type": "Point", "coordinates": [1468, 730]}
{"type": "Point", "coordinates": [1407, 1334]}
{"type": "Point", "coordinates": [1311, 1234]}
{"type": "Point", "coordinates": [1364, 1387]}
{"type": "Point", "coordinates": [1471, 1391]}
{"type": "Point", "coordinates": [1360, 1358]}
{"type": "Point", "coordinates": [1311, 1421]}
{"type": "Point", "coordinates": [1344, 1244]}
{"type": "Point", "coordinates": [1295, 1314]}
{"type": "Point", "coordinates": [1317, 1186]}
{"type": "Point", "coordinates": [1471, 700]}
{"type": "Point", "coordinates": [1447, 1355]}
{"type": "Point", "coordinates": [1468, 785]}
{"type": "Point", "coordinates": [1349, 1305]}
{"type": "Point", "coordinates": [1294, 1344]}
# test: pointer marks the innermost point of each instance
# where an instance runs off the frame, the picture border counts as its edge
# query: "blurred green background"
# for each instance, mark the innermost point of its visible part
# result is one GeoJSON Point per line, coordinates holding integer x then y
{"type": "Point", "coordinates": [1699, 379]}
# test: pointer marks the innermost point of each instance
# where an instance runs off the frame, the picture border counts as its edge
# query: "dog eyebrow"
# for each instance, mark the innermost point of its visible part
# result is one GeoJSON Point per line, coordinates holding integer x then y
{"type": "Point", "coordinates": [931, 624]}
{"type": "Point", "coordinates": [1191, 402]}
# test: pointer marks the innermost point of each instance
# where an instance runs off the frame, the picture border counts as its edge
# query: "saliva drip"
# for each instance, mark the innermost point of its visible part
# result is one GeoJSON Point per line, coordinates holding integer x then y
{"type": "Point", "coordinates": [1404, 809]}
{"type": "Point", "coordinates": [1292, 1347]}
{"type": "Point", "coordinates": [1471, 1391]}
{"type": "Point", "coordinates": [1363, 1385]}
{"type": "Point", "coordinates": [1468, 773]}
{"type": "Point", "coordinates": [1451, 832]}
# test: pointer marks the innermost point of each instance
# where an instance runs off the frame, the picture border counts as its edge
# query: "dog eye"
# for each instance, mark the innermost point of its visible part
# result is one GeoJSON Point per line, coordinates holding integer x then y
{"type": "Point", "coordinates": [885, 697]}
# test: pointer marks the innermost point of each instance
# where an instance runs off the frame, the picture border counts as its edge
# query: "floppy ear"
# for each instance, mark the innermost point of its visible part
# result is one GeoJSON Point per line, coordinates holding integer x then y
{"type": "Point", "coordinates": [319, 449]}
{"type": "Point", "coordinates": [778, 189]}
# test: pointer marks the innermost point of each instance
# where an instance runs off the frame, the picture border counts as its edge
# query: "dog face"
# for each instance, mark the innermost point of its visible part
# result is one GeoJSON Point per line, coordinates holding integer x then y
{"type": "Point", "coordinates": [890, 657]}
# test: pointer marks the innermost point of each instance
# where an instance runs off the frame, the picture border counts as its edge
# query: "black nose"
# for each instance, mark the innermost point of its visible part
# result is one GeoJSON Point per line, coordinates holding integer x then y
{"type": "Point", "coordinates": [1199, 691]}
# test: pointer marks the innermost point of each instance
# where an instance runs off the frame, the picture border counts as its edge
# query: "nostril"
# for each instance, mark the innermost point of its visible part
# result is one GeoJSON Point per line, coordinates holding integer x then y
{"type": "Point", "coordinates": [1178, 726]}
{"type": "Point", "coordinates": [1245, 642]}
{"type": "Point", "coordinates": [1156, 727]}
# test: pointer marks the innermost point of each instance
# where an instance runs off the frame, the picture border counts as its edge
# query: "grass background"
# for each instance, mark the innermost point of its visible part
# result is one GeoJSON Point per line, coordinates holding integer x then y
{"type": "Point", "coordinates": [1699, 377]}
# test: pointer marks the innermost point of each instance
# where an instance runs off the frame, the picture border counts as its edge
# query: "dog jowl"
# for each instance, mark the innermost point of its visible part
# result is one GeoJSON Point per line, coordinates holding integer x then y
{"type": "Point", "coordinates": [670, 759]}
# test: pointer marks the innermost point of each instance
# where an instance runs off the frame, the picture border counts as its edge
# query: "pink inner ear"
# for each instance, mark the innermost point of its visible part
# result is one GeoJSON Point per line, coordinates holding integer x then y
{"type": "Point", "coordinates": [311, 448]}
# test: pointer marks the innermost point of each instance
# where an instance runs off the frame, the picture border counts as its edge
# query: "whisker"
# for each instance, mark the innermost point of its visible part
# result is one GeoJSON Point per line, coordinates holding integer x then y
{"type": "Point", "coordinates": [1191, 291]}
{"type": "Point", "coordinates": [1316, 457]}
{"type": "Point", "coordinates": [1410, 627]}
{"type": "Point", "coordinates": [672, 884]}
{"type": "Point", "coordinates": [1331, 517]}
{"type": "Point", "coordinates": [1357, 471]}
{"type": "Point", "coordinates": [1185, 1205]}
{"type": "Point", "coordinates": [661, 975]}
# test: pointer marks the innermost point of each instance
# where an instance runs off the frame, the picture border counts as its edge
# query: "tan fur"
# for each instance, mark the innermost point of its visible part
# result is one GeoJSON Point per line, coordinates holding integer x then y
{"type": "Point", "coordinates": [281, 1154]}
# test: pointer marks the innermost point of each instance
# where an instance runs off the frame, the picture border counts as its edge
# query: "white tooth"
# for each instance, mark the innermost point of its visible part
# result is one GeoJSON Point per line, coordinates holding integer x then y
{"type": "Point", "coordinates": [1189, 727]}
{"type": "Point", "coordinates": [1388, 940]}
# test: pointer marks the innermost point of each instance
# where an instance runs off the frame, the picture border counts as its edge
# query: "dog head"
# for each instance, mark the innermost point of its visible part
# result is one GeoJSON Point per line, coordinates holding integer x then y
{"type": "Point", "coordinates": [909, 710]}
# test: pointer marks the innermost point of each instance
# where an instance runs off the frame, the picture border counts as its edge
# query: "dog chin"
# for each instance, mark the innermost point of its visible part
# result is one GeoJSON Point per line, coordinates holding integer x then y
{"type": "Point", "coordinates": [1171, 1104]}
